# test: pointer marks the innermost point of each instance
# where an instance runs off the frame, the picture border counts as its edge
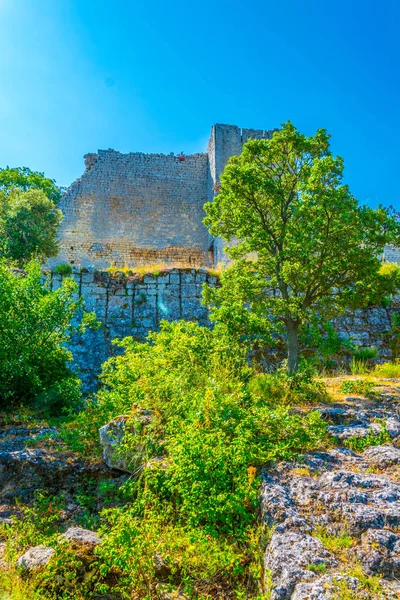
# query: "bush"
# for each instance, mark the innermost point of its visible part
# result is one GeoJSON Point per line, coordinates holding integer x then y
{"type": "Point", "coordinates": [195, 498]}
{"type": "Point", "coordinates": [357, 386]}
{"type": "Point", "coordinates": [388, 369]}
{"type": "Point", "coordinates": [282, 389]}
{"type": "Point", "coordinates": [392, 337]}
{"type": "Point", "coordinates": [365, 353]}
{"type": "Point", "coordinates": [362, 358]}
{"type": "Point", "coordinates": [359, 444]}
{"type": "Point", "coordinates": [63, 269]}
{"type": "Point", "coordinates": [359, 367]}
{"type": "Point", "coordinates": [35, 324]}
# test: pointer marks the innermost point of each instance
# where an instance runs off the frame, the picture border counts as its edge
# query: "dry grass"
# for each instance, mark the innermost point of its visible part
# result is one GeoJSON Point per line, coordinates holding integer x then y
{"type": "Point", "coordinates": [159, 268]}
{"type": "Point", "coordinates": [334, 385]}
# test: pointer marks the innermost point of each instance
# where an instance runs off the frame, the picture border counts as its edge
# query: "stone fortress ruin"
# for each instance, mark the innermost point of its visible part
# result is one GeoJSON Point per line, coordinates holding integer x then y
{"type": "Point", "coordinates": [137, 210]}
{"type": "Point", "coordinates": [140, 209]}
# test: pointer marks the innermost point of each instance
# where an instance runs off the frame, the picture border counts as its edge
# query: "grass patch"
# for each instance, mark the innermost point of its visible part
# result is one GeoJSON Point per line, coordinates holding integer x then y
{"type": "Point", "coordinates": [390, 370]}
{"type": "Point", "coordinates": [370, 587]}
{"type": "Point", "coordinates": [357, 386]}
{"type": "Point", "coordinates": [338, 544]}
{"type": "Point", "coordinates": [159, 268]}
{"type": "Point", "coordinates": [12, 587]}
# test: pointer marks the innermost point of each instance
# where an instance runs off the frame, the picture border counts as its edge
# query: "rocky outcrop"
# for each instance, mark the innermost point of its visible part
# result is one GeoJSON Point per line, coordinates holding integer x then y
{"type": "Point", "coordinates": [289, 557]}
{"type": "Point", "coordinates": [28, 463]}
{"type": "Point", "coordinates": [350, 497]}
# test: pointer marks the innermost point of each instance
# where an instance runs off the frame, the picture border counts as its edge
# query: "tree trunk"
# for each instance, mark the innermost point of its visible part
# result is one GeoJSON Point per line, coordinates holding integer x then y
{"type": "Point", "coordinates": [292, 335]}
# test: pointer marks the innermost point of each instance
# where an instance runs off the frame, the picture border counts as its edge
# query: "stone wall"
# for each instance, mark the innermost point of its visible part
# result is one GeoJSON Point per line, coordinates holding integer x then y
{"type": "Point", "coordinates": [136, 209]}
{"type": "Point", "coordinates": [132, 306]}
{"type": "Point", "coordinates": [367, 327]}
{"type": "Point", "coordinates": [139, 209]}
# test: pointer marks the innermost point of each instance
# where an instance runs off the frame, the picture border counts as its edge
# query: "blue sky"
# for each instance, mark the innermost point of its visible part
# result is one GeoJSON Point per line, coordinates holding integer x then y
{"type": "Point", "coordinates": [78, 75]}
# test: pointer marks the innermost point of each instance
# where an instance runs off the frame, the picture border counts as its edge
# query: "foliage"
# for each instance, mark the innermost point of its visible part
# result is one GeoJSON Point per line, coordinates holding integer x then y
{"type": "Point", "coordinates": [282, 388]}
{"type": "Point", "coordinates": [195, 499]}
{"type": "Point", "coordinates": [63, 269]}
{"type": "Point", "coordinates": [388, 369]}
{"type": "Point", "coordinates": [12, 587]}
{"type": "Point", "coordinates": [370, 587]}
{"type": "Point", "coordinates": [359, 367]}
{"type": "Point", "coordinates": [362, 359]}
{"type": "Point", "coordinates": [70, 573]}
{"type": "Point", "coordinates": [321, 338]}
{"type": "Point", "coordinates": [365, 353]}
{"type": "Point", "coordinates": [358, 444]}
{"type": "Point", "coordinates": [302, 245]}
{"type": "Point", "coordinates": [338, 543]}
{"type": "Point", "coordinates": [28, 226]}
{"type": "Point", "coordinates": [40, 524]}
{"type": "Point", "coordinates": [35, 324]}
{"type": "Point", "coordinates": [383, 287]}
{"type": "Point", "coordinates": [23, 179]}
{"type": "Point", "coordinates": [357, 386]}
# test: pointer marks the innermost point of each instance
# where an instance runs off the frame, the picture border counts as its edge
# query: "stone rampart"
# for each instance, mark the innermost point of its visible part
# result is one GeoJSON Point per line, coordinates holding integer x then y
{"type": "Point", "coordinates": [132, 306]}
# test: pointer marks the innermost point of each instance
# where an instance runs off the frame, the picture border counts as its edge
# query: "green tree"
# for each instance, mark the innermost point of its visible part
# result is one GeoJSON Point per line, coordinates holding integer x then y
{"type": "Point", "coordinates": [23, 179]}
{"type": "Point", "coordinates": [302, 245]}
{"type": "Point", "coordinates": [35, 324]}
{"type": "Point", "coordinates": [28, 226]}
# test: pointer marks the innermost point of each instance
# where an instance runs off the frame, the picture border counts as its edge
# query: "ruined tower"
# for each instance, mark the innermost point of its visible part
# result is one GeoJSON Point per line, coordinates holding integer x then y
{"type": "Point", "coordinates": [139, 209]}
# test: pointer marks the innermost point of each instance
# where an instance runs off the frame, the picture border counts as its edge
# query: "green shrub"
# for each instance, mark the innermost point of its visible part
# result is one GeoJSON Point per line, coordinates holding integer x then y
{"type": "Point", "coordinates": [284, 389]}
{"type": "Point", "coordinates": [35, 324]}
{"type": "Point", "coordinates": [357, 386]}
{"type": "Point", "coordinates": [196, 500]}
{"type": "Point", "coordinates": [41, 524]}
{"type": "Point", "coordinates": [358, 444]}
{"type": "Point", "coordinates": [388, 369]}
{"type": "Point", "coordinates": [392, 337]}
{"type": "Point", "coordinates": [365, 353]}
{"type": "Point", "coordinates": [63, 269]}
{"type": "Point", "coordinates": [28, 226]}
{"type": "Point", "coordinates": [362, 358]}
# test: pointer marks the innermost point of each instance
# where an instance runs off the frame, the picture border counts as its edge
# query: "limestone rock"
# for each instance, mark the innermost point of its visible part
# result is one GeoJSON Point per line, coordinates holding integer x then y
{"type": "Point", "coordinates": [380, 552]}
{"type": "Point", "coordinates": [345, 492]}
{"type": "Point", "coordinates": [324, 588]}
{"type": "Point", "coordinates": [34, 558]}
{"type": "Point", "coordinates": [112, 437]}
{"type": "Point", "coordinates": [25, 469]}
{"type": "Point", "coordinates": [382, 456]}
{"type": "Point", "coordinates": [288, 558]}
{"type": "Point", "coordinates": [344, 432]}
{"type": "Point", "coordinates": [393, 427]}
{"type": "Point", "coordinates": [82, 537]}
